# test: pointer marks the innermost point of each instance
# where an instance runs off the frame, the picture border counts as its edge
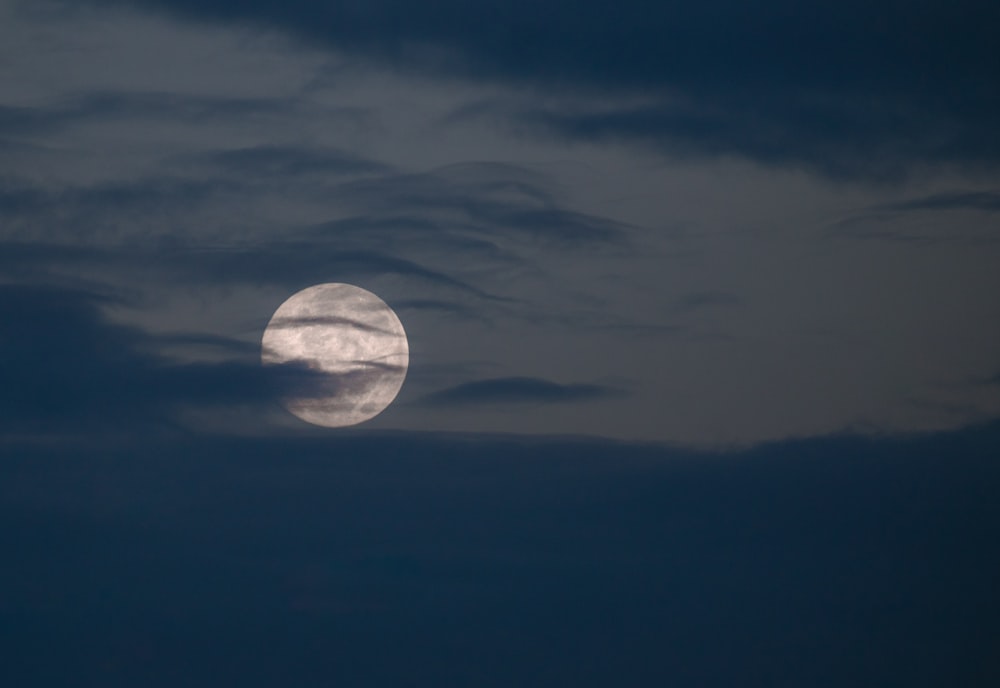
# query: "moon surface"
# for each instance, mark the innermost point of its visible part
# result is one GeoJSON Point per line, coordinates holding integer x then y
{"type": "Point", "coordinates": [345, 349]}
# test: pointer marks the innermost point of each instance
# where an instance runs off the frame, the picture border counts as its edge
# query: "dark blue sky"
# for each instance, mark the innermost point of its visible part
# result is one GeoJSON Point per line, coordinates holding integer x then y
{"type": "Point", "coordinates": [701, 303]}
{"type": "Point", "coordinates": [416, 560]}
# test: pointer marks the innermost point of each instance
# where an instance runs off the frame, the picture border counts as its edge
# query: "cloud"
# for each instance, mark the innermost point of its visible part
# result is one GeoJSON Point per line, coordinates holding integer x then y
{"type": "Point", "coordinates": [296, 322]}
{"type": "Point", "coordinates": [65, 366]}
{"type": "Point", "coordinates": [584, 562]}
{"type": "Point", "coordinates": [844, 88]}
{"type": "Point", "coordinates": [204, 341]}
{"type": "Point", "coordinates": [517, 390]}
{"type": "Point", "coordinates": [285, 263]}
{"type": "Point", "coordinates": [175, 199]}
{"type": "Point", "coordinates": [274, 161]}
{"type": "Point", "coordinates": [831, 142]}
{"type": "Point", "coordinates": [700, 300]}
{"type": "Point", "coordinates": [987, 201]}
{"type": "Point", "coordinates": [112, 106]}
{"type": "Point", "coordinates": [307, 262]}
{"type": "Point", "coordinates": [386, 222]}
{"type": "Point", "coordinates": [913, 220]}
{"type": "Point", "coordinates": [425, 228]}
{"type": "Point", "coordinates": [472, 204]}
{"type": "Point", "coordinates": [153, 205]}
{"type": "Point", "coordinates": [447, 308]}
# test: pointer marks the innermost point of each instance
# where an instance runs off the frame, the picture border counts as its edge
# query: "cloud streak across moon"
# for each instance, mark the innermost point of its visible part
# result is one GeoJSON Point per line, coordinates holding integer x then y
{"type": "Point", "coordinates": [354, 343]}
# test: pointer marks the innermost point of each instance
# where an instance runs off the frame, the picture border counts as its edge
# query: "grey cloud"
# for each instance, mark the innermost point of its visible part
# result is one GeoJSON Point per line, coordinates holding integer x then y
{"type": "Point", "coordinates": [830, 139]}
{"type": "Point", "coordinates": [517, 390]}
{"type": "Point", "coordinates": [988, 201]}
{"type": "Point", "coordinates": [291, 161]}
{"type": "Point", "coordinates": [876, 227]}
{"type": "Point", "coordinates": [579, 560]}
{"type": "Point", "coordinates": [112, 106]}
{"type": "Point", "coordinates": [65, 366]}
{"type": "Point", "coordinates": [304, 262]}
{"type": "Point", "coordinates": [383, 228]}
{"type": "Point", "coordinates": [481, 199]}
{"type": "Point", "coordinates": [329, 391]}
{"type": "Point", "coordinates": [447, 308]}
{"type": "Point", "coordinates": [891, 221]}
{"type": "Point", "coordinates": [847, 88]}
{"type": "Point", "coordinates": [707, 299]}
{"type": "Point", "coordinates": [376, 364]}
{"type": "Point", "coordinates": [561, 226]}
{"type": "Point", "coordinates": [424, 228]}
{"type": "Point", "coordinates": [204, 341]}
{"type": "Point", "coordinates": [296, 322]}
{"type": "Point", "coordinates": [285, 263]}
{"type": "Point", "coordinates": [124, 208]}
{"type": "Point", "coordinates": [489, 211]}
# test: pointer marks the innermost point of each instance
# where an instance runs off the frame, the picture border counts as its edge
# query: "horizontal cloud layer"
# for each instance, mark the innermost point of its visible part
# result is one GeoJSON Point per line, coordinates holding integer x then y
{"type": "Point", "coordinates": [517, 390]}
{"type": "Point", "coordinates": [844, 88]}
{"type": "Point", "coordinates": [65, 367]}
{"type": "Point", "coordinates": [423, 559]}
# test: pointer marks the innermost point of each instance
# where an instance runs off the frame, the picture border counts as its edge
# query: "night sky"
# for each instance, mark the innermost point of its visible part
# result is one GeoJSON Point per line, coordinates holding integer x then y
{"type": "Point", "coordinates": [704, 333]}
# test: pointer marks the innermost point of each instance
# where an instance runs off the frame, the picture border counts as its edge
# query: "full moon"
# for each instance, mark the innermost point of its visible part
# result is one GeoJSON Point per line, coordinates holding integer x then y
{"type": "Point", "coordinates": [351, 340]}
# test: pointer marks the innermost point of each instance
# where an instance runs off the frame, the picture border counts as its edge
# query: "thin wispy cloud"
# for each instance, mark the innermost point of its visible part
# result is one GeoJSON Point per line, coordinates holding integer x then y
{"type": "Point", "coordinates": [833, 88]}
{"type": "Point", "coordinates": [518, 390]}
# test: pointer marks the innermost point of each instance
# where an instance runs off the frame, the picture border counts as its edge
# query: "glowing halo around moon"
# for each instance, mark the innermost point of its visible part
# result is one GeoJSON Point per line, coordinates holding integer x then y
{"type": "Point", "coordinates": [355, 343]}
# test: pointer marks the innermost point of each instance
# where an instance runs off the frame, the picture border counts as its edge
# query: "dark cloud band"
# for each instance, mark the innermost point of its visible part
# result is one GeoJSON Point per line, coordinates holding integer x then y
{"type": "Point", "coordinates": [808, 85]}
